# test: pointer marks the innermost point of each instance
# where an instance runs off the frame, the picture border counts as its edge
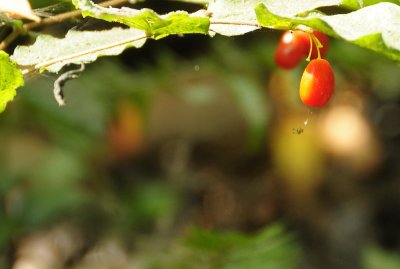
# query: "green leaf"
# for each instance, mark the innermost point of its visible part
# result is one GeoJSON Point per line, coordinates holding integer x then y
{"type": "Point", "coordinates": [273, 247]}
{"type": "Point", "coordinates": [157, 26]}
{"type": "Point", "coordinates": [378, 258]}
{"type": "Point", "coordinates": [11, 79]}
{"type": "Point", "coordinates": [51, 54]}
{"type": "Point", "coordinates": [375, 27]}
{"type": "Point", "coordinates": [237, 17]}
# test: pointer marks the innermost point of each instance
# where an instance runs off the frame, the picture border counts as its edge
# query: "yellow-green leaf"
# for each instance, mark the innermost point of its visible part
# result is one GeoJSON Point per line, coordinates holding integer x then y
{"type": "Point", "coordinates": [155, 25]}
{"type": "Point", "coordinates": [10, 79]}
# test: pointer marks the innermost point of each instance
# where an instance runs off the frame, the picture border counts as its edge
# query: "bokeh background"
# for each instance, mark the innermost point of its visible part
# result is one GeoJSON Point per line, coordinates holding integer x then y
{"type": "Point", "coordinates": [196, 152]}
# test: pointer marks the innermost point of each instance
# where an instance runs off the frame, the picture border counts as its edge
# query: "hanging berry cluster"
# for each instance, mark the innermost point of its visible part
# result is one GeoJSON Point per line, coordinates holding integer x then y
{"type": "Point", "coordinates": [318, 81]}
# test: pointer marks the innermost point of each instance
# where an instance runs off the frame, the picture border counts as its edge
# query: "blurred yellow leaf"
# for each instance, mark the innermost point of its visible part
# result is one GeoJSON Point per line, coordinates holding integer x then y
{"type": "Point", "coordinates": [297, 157]}
{"type": "Point", "coordinates": [18, 9]}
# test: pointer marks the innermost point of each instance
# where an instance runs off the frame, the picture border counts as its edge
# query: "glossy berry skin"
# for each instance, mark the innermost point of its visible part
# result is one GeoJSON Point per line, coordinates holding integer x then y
{"type": "Point", "coordinates": [324, 40]}
{"type": "Point", "coordinates": [317, 83]}
{"type": "Point", "coordinates": [293, 47]}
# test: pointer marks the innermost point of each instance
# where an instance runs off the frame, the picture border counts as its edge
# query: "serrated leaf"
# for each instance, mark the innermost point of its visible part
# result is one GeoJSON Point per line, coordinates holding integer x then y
{"type": "Point", "coordinates": [242, 18]}
{"type": "Point", "coordinates": [375, 27]}
{"type": "Point", "coordinates": [157, 26]}
{"type": "Point", "coordinates": [51, 54]}
{"type": "Point", "coordinates": [11, 79]}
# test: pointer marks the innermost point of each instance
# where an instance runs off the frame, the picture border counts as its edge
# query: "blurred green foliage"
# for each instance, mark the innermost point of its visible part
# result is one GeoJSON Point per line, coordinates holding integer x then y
{"type": "Point", "coordinates": [376, 257]}
{"type": "Point", "coordinates": [57, 164]}
{"type": "Point", "coordinates": [273, 247]}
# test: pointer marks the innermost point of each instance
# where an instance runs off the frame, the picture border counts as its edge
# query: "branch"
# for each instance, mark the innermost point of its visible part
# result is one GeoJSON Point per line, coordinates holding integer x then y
{"type": "Point", "coordinates": [241, 23]}
{"type": "Point", "coordinates": [69, 15]}
{"type": "Point", "coordinates": [51, 20]}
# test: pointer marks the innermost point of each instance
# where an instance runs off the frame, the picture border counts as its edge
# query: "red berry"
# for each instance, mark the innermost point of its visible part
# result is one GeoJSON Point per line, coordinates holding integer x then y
{"type": "Point", "coordinates": [324, 40]}
{"type": "Point", "coordinates": [292, 48]}
{"type": "Point", "coordinates": [317, 83]}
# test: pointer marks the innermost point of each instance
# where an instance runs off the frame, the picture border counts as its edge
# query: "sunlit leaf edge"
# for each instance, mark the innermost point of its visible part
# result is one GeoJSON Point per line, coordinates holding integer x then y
{"type": "Point", "coordinates": [155, 25]}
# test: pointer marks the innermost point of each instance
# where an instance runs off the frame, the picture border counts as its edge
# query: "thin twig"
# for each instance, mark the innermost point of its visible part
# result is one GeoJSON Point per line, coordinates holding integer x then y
{"type": "Point", "coordinates": [68, 15]}
{"type": "Point", "coordinates": [242, 23]}
{"type": "Point", "coordinates": [10, 38]}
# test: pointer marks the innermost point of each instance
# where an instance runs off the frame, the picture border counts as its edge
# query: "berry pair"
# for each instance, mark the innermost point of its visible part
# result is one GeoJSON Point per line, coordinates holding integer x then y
{"type": "Point", "coordinates": [317, 82]}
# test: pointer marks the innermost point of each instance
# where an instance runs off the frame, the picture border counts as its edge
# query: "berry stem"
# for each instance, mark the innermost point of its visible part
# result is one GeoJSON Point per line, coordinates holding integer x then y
{"type": "Point", "coordinates": [318, 44]}
{"type": "Point", "coordinates": [311, 42]}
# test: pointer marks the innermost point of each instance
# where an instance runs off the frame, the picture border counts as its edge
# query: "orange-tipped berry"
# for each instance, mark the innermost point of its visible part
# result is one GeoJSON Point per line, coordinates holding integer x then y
{"type": "Point", "coordinates": [317, 83]}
